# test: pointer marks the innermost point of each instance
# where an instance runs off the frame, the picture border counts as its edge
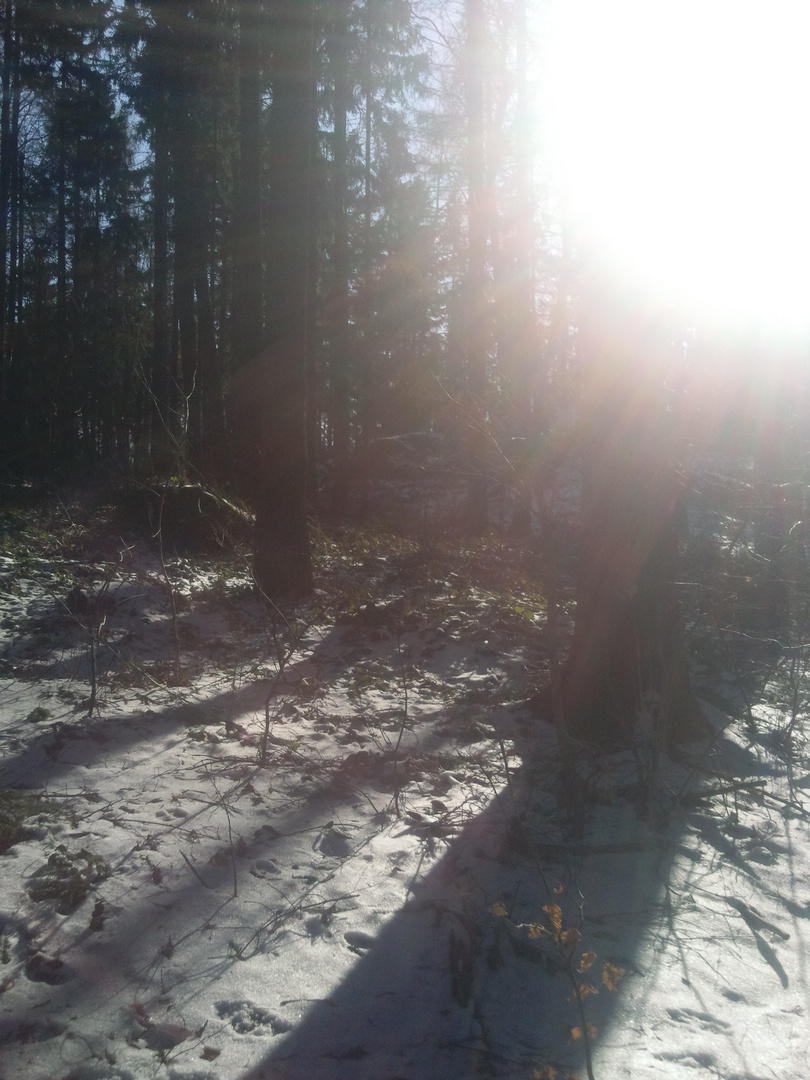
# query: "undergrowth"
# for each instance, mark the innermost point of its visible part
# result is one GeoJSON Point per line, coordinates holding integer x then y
{"type": "Point", "coordinates": [20, 811]}
{"type": "Point", "coordinates": [395, 629]}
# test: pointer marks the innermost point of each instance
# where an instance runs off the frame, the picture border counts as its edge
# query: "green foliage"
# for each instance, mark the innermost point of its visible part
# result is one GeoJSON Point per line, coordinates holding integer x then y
{"type": "Point", "coordinates": [17, 808]}
{"type": "Point", "coordinates": [38, 715]}
{"type": "Point", "coordinates": [67, 877]}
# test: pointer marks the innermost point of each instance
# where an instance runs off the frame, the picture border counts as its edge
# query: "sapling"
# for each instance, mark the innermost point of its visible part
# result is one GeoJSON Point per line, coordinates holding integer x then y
{"type": "Point", "coordinates": [172, 593]}
{"type": "Point", "coordinates": [91, 613]}
{"type": "Point", "coordinates": [576, 962]}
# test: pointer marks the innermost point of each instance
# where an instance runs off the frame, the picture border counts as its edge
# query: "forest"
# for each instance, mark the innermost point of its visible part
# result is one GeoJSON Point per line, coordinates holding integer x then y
{"type": "Point", "coordinates": [404, 468]}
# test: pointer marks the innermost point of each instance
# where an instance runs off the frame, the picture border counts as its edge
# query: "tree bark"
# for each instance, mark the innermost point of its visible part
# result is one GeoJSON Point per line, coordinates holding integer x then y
{"type": "Point", "coordinates": [8, 154]}
{"type": "Point", "coordinates": [163, 426]}
{"type": "Point", "coordinates": [627, 651]}
{"type": "Point", "coordinates": [339, 383]}
{"type": "Point", "coordinates": [247, 296]}
{"type": "Point", "coordinates": [476, 328]}
{"type": "Point", "coordinates": [275, 419]}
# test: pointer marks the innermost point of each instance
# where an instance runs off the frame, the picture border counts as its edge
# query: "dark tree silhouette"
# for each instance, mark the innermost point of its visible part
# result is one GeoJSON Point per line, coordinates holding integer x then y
{"type": "Point", "coordinates": [627, 649]}
{"type": "Point", "coordinates": [270, 396]}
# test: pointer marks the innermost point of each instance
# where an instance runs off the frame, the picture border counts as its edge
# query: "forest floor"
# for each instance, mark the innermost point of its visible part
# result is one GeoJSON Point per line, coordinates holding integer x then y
{"type": "Point", "coordinates": [332, 842]}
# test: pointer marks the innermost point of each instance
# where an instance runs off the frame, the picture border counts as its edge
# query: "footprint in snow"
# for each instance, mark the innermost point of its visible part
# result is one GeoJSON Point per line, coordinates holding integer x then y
{"type": "Point", "coordinates": [30, 1031]}
{"type": "Point", "coordinates": [47, 969]}
{"type": "Point", "coordinates": [263, 868]}
{"type": "Point", "coordinates": [246, 1017]}
{"type": "Point", "coordinates": [705, 1020]}
{"type": "Point", "coordinates": [335, 844]}
{"type": "Point", "coordinates": [357, 940]}
{"type": "Point", "coordinates": [692, 1060]}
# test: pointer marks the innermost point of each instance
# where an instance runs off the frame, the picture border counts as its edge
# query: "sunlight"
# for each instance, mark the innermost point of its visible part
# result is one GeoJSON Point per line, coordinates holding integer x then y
{"type": "Point", "coordinates": [679, 135]}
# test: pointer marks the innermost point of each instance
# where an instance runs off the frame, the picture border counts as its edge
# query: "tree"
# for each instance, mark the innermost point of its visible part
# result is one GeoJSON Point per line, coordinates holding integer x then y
{"type": "Point", "coordinates": [340, 283]}
{"type": "Point", "coordinates": [269, 398]}
{"type": "Point", "coordinates": [627, 649]}
{"type": "Point", "coordinates": [476, 328]}
{"type": "Point", "coordinates": [248, 328]}
{"type": "Point", "coordinates": [72, 254]}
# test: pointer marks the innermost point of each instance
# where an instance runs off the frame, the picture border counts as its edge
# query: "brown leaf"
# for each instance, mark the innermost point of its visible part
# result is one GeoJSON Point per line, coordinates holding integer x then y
{"type": "Point", "coordinates": [586, 961]}
{"type": "Point", "coordinates": [612, 976]}
{"type": "Point", "coordinates": [576, 1033]}
{"type": "Point", "coordinates": [554, 912]}
{"type": "Point", "coordinates": [570, 936]}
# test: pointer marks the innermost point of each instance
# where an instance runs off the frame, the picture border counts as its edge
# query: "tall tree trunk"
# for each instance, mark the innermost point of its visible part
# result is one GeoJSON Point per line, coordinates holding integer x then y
{"type": "Point", "coordinates": [163, 414]}
{"type": "Point", "coordinates": [63, 405]}
{"type": "Point", "coordinates": [7, 166]}
{"type": "Point", "coordinates": [186, 227]}
{"type": "Point", "coordinates": [627, 650]}
{"type": "Point", "coordinates": [274, 412]}
{"type": "Point", "coordinates": [16, 222]}
{"type": "Point", "coordinates": [519, 365]}
{"type": "Point", "coordinates": [210, 374]}
{"type": "Point", "coordinates": [475, 304]}
{"type": "Point", "coordinates": [339, 383]}
{"type": "Point", "coordinates": [367, 406]}
{"type": "Point", "coordinates": [247, 243]}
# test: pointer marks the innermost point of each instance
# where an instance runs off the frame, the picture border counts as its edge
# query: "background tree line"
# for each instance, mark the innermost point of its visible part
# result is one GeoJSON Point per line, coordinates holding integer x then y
{"type": "Point", "coordinates": [146, 229]}
{"type": "Point", "coordinates": [320, 223]}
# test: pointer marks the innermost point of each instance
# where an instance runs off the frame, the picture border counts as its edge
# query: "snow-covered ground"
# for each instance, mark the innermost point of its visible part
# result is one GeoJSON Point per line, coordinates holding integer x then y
{"type": "Point", "coordinates": [394, 891]}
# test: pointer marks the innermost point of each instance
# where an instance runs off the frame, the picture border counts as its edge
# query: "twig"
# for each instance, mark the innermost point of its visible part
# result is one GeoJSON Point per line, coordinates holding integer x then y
{"type": "Point", "coordinates": [404, 720]}
{"type": "Point", "coordinates": [172, 597]}
{"type": "Point", "coordinates": [204, 884]}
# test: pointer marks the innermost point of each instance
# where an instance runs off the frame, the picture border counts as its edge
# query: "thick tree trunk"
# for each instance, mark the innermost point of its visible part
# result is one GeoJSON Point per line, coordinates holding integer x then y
{"type": "Point", "coordinates": [476, 327]}
{"type": "Point", "coordinates": [275, 460]}
{"type": "Point", "coordinates": [8, 153]}
{"type": "Point", "coordinates": [627, 651]}
{"type": "Point", "coordinates": [339, 384]}
{"type": "Point", "coordinates": [267, 424]}
{"type": "Point", "coordinates": [247, 241]}
{"type": "Point", "coordinates": [163, 426]}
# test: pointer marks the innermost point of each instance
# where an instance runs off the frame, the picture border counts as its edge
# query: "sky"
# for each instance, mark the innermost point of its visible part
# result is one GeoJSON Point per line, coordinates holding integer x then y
{"type": "Point", "coordinates": [680, 134]}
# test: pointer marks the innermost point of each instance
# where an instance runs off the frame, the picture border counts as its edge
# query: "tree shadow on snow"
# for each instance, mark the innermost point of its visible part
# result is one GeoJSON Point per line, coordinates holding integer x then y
{"type": "Point", "coordinates": [466, 979]}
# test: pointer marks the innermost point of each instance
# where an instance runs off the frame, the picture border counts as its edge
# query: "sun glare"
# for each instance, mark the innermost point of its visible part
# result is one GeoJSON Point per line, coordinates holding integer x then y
{"type": "Point", "coordinates": [680, 134]}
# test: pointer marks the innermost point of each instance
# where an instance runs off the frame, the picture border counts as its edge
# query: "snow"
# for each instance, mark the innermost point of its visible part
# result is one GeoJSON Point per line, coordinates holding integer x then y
{"type": "Point", "coordinates": [376, 900]}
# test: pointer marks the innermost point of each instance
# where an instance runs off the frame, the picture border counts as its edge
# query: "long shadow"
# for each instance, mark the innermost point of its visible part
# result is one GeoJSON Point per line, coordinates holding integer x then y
{"type": "Point", "coordinates": [466, 979]}
{"type": "Point", "coordinates": [40, 761]}
{"type": "Point", "coordinates": [460, 982]}
{"type": "Point", "coordinates": [456, 984]}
